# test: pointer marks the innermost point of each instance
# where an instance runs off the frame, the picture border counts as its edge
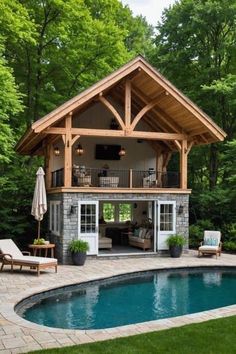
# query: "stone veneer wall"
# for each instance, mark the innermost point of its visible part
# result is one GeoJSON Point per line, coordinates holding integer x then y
{"type": "Point", "coordinates": [69, 223]}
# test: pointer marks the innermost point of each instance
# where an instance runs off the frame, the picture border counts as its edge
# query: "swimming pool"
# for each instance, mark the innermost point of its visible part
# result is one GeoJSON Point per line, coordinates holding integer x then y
{"type": "Point", "coordinates": [132, 298]}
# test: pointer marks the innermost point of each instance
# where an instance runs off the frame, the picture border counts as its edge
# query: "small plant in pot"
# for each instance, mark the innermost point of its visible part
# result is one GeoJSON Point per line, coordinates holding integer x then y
{"type": "Point", "coordinates": [78, 249]}
{"type": "Point", "coordinates": [176, 243]}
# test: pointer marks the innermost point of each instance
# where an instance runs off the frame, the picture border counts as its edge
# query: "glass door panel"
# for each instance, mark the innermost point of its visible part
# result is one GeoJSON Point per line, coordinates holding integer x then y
{"type": "Point", "coordinates": [88, 224]}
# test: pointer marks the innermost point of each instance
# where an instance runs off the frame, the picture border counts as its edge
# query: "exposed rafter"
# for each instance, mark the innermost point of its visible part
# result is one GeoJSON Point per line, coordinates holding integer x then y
{"type": "Point", "coordinates": [112, 109]}
{"type": "Point", "coordinates": [146, 108]}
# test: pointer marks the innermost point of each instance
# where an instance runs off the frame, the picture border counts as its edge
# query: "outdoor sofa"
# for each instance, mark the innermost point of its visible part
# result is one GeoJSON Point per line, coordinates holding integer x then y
{"type": "Point", "coordinates": [141, 238]}
{"type": "Point", "coordinates": [11, 255]}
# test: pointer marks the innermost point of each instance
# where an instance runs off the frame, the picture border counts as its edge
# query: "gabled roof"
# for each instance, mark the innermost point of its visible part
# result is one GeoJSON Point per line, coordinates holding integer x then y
{"type": "Point", "coordinates": [174, 110]}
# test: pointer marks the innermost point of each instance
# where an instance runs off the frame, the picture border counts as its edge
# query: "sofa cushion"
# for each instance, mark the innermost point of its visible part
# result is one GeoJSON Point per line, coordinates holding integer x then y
{"type": "Point", "coordinates": [136, 239]}
{"type": "Point", "coordinates": [148, 234]}
{"type": "Point", "coordinates": [208, 248]}
{"type": "Point", "coordinates": [142, 233]}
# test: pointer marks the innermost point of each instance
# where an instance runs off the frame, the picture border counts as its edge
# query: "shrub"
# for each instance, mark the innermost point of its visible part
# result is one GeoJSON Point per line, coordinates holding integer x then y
{"type": "Point", "coordinates": [78, 246]}
{"type": "Point", "coordinates": [229, 246]}
{"type": "Point", "coordinates": [229, 232]}
{"type": "Point", "coordinates": [176, 240]}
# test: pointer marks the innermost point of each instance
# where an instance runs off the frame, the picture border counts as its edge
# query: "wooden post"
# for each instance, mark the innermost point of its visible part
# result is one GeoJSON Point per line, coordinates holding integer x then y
{"type": "Point", "coordinates": [48, 165]}
{"type": "Point", "coordinates": [128, 103]}
{"type": "Point", "coordinates": [130, 178]}
{"type": "Point", "coordinates": [159, 169]}
{"type": "Point", "coordinates": [184, 164]}
{"type": "Point", "coordinates": [68, 152]}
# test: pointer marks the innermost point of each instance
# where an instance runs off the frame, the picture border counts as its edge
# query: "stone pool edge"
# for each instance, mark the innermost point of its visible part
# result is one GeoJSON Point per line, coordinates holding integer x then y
{"type": "Point", "coordinates": [29, 336]}
{"type": "Point", "coordinates": [184, 319]}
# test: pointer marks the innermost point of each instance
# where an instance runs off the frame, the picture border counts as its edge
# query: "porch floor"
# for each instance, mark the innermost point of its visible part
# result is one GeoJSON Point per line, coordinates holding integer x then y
{"type": "Point", "coordinates": [117, 249]}
{"type": "Point", "coordinates": [20, 336]}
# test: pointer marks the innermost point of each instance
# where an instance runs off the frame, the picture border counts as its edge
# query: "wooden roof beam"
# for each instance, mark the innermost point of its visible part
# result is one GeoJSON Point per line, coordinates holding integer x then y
{"type": "Point", "coordinates": [117, 133]}
{"type": "Point", "coordinates": [127, 103]}
{"type": "Point", "coordinates": [146, 108]}
{"type": "Point", "coordinates": [112, 109]}
{"type": "Point", "coordinates": [167, 120]}
{"type": "Point", "coordinates": [153, 123]}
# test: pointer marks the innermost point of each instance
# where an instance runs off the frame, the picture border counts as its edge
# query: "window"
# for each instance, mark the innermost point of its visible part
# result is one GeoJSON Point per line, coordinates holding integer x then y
{"type": "Point", "coordinates": [125, 212]}
{"type": "Point", "coordinates": [167, 217]}
{"type": "Point", "coordinates": [87, 218]}
{"type": "Point", "coordinates": [109, 212]}
{"type": "Point", "coordinates": [117, 212]}
{"type": "Point", "coordinates": [55, 217]}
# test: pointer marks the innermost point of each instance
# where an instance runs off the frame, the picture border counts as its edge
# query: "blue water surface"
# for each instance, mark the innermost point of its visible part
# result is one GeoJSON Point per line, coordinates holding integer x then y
{"type": "Point", "coordinates": [133, 299]}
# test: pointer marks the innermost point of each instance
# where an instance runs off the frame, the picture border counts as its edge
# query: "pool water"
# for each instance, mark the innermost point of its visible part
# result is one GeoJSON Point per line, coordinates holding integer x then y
{"type": "Point", "coordinates": [132, 298]}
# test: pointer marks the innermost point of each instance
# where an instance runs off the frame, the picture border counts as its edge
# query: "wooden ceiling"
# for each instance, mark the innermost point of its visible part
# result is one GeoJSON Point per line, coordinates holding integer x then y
{"type": "Point", "coordinates": [163, 108]}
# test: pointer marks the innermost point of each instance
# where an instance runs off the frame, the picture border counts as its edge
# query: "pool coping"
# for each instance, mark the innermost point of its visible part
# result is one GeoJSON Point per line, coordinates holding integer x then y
{"type": "Point", "coordinates": [78, 336]}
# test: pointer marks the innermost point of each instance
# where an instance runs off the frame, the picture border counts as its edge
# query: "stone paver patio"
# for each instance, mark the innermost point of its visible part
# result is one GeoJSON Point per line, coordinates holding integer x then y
{"type": "Point", "coordinates": [20, 336]}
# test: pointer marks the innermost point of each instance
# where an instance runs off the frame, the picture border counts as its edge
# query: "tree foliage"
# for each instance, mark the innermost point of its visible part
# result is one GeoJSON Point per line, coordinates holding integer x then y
{"type": "Point", "coordinates": [51, 50]}
{"type": "Point", "coordinates": [195, 49]}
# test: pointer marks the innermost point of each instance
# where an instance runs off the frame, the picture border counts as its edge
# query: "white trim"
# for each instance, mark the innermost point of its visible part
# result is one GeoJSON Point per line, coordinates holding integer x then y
{"type": "Point", "coordinates": [127, 254]}
{"type": "Point", "coordinates": [160, 232]}
{"type": "Point", "coordinates": [56, 216]}
{"type": "Point", "coordinates": [93, 235]}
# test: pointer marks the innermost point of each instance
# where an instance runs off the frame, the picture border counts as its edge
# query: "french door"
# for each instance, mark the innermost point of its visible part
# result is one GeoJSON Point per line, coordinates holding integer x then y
{"type": "Point", "coordinates": [166, 222]}
{"type": "Point", "coordinates": [88, 224]}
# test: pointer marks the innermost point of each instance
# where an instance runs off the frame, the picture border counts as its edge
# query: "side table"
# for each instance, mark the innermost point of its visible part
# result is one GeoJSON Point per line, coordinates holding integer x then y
{"type": "Point", "coordinates": [39, 248]}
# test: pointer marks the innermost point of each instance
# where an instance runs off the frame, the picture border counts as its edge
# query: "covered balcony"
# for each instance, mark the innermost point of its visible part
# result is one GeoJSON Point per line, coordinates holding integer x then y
{"type": "Point", "coordinates": [135, 109]}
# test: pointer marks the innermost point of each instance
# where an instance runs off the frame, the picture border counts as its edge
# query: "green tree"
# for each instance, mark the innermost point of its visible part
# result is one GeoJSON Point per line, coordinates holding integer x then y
{"type": "Point", "coordinates": [15, 27]}
{"type": "Point", "coordinates": [49, 51]}
{"type": "Point", "coordinates": [195, 49]}
{"type": "Point", "coordinates": [77, 43]}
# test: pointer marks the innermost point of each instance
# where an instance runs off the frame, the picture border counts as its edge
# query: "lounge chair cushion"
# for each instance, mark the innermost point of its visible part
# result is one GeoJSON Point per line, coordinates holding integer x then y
{"type": "Point", "coordinates": [8, 246]}
{"type": "Point", "coordinates": [34, 260]}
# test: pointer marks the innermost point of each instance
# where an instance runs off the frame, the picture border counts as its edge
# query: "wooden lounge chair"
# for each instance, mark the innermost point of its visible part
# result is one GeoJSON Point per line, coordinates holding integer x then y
{"type": "Point", "coordinates": [211, 243]}
{"type": "Point", "coordinates": [11, 255]}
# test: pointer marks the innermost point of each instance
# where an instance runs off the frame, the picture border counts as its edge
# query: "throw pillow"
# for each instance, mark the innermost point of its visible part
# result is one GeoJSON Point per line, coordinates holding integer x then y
{"type": "Point", "coordinates": [136, 232]}
{"type": "Point", "coordinates": [207, 242]}
{"type": "Point", "coordinates": [142, 233]}
{"type": "Point", "coordinates": [214, 241]}
{"type": "Point", "coordinates": [211, 241]}
{"type": "Point", "coordinates": [148, 235]}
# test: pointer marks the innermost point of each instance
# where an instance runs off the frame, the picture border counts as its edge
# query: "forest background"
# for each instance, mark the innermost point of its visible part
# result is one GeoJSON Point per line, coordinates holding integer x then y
{"type": "Point", "coordinates": [50, 50]}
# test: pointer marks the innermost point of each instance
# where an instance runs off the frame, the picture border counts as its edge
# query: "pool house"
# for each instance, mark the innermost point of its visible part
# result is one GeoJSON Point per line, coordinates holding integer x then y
{"type": "Point", "coordinates": [116, 162]}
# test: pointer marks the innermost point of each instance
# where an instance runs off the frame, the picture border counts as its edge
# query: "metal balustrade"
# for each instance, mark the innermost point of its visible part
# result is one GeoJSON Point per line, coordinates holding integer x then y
{"type": "Point", "coordinates": [114, 178]}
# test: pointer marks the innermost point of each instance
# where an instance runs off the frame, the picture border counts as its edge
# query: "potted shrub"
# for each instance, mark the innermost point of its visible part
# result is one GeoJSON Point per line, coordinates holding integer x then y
{"type": "Point", "coordinates": [78, 249]}
{"type": "Point", "coordinates": [176, 243]}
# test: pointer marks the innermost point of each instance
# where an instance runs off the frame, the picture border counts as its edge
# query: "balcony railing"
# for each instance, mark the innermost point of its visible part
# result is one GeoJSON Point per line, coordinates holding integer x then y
{"type": "Point", "coordinates": [102, 178]}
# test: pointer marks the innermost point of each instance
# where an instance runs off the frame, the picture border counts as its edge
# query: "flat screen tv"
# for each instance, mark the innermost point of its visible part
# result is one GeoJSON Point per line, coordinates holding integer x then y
{"type": "Point", "coordinates": [107, 152]}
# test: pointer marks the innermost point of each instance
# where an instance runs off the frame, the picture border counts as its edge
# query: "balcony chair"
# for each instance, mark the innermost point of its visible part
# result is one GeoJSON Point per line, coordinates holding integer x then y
{"type": "Point", "coordinates": [11, 255]}
{"type": "Point", "coordinates": [211, 243]}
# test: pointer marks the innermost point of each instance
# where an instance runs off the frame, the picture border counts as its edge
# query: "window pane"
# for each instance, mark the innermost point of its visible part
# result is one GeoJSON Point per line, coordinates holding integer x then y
{"type": "Point", "coordinates": [125, 212]}
{"type": "Point", "coordinates": [166, 217]}
{"type": "Point", "coordinates": [109, 212]}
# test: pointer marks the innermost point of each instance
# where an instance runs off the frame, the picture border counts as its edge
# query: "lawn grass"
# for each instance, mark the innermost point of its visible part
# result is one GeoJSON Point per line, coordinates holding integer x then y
{"type": "Point", "coordinates": [211, 337]}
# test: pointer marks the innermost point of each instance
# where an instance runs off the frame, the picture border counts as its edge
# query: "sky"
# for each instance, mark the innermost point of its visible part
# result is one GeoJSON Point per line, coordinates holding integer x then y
{"type": "Point", "coordinates": [151, 9]}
